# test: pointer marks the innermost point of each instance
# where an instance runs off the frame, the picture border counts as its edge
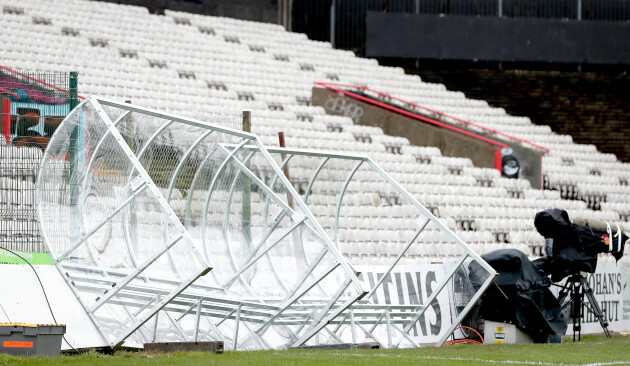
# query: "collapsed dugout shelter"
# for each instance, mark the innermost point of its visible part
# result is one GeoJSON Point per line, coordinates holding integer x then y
{"type": "Point", "coordinates": [172, 229]}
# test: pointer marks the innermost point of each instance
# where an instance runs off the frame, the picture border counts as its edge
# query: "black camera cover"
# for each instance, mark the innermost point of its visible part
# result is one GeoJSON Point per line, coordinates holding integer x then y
{"type": "Point", "coordinates": [521, 297]}
{"type": "Point", "coordinates": [575, 247]}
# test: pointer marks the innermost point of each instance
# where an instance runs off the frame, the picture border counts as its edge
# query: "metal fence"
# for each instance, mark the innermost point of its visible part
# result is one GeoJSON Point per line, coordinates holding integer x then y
{"type": "Point", "coordinates": [32, 104]}
{"type": "Point", "coordinates": [342, 22]}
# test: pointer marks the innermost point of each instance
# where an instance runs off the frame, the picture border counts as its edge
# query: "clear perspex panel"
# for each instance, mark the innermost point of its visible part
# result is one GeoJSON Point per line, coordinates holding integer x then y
{"type": "Point", "coordinates": [416, 269]}
{"type": "Point", "coordinates": [173, 229]}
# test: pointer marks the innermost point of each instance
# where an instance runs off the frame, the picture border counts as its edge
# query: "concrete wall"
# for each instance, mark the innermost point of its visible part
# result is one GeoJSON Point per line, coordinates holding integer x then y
{"type": "Point", "coordinates": [592, 107]}
{"type": "Point", "coordinates": [456, 37]}
{"type": "Point", "coordinates": [418, 133]}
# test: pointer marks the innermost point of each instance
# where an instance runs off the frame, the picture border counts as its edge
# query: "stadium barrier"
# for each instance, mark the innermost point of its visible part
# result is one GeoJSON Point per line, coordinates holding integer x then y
{"type": "Point", "coordinates": [172, 229]}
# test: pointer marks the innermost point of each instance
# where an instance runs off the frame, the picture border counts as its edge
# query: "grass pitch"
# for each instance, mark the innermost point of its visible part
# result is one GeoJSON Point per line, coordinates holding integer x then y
{"type": "Point", "coordinates": [592, 351]}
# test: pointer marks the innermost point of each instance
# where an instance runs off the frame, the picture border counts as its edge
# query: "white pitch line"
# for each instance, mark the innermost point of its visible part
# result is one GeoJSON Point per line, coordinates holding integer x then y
{"type": "Point", "coordinates": [512, 362]}
{"type": "Point", "coordinates": [508, 362]}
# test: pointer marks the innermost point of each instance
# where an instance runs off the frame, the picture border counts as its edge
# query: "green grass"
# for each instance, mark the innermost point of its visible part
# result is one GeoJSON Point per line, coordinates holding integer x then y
{"type": "Point", "coordinates": [593, 350]}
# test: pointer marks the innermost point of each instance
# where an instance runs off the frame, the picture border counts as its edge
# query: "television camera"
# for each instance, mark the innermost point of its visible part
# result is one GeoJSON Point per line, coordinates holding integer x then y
{"type": "Point", "coordinates": [572, 249]}
{"type": "Point", "coordinates": [522, 294]}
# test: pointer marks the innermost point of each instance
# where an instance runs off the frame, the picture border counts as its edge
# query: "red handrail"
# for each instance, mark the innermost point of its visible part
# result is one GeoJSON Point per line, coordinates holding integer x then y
{"type": "Point", "coordinates": [328, 85]}
{"type": "Point", "coordinates": [412, 115]}
{"type": "Point", "coordinates": [5, 118]}
{"type": "Point", "coordinates": [6, 91]}
{"type": "Point", "coordinates": [37, 80]}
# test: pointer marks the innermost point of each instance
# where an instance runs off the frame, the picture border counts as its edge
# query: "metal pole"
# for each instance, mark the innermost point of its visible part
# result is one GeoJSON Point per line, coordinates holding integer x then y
{"type": "Point", "coordinates": [74, 156]}
{"type": "Point", "coordinates": [579, 9]}
{"type": "Point", "coordinates": [279, 13]}
{"type": "Point", "coordinates": [73, 87]}
{"type": "Point", "coordinates": [500, 8]}
{"type": "Point", "coordinates": [285, 14]}
{"type": "Point", "coordinates": [389, 328]}
{"type": "Point", "coordinates": [300, 260]}
{"type": "Point", "coordinates": [332, 23]}
{"type": "Point", "coordinates": [237, 320]}
{"type": "Point", "coordinates": [285, 169]}
{"type": "Point", "coordinates": [352, 326]}
{"type": "Point", "coordinates": [289, 15]}
{"type": "Point", "coordinates": [247, 189]}
{"type": "Point", "coordinates": [155, 326]}
{"type": "Point", "coordinates": [73, 102]}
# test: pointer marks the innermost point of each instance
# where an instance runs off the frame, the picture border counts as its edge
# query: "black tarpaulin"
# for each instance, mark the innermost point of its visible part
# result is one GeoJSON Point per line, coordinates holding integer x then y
{"type": "Point", "coordinates": [522, 297]}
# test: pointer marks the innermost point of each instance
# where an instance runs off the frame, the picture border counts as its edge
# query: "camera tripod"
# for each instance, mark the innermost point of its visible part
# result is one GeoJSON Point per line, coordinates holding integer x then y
{"type": "Point", "coordinates": [576, 287]}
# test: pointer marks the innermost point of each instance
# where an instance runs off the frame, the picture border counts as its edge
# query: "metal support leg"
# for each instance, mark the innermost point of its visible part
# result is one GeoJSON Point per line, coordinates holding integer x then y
{"type": "Point", "coordinates": [237, 320]}
{"type": "Point", "coordinates": [575, 287]}
{"type": "Point", "coordinates": [595, 309]}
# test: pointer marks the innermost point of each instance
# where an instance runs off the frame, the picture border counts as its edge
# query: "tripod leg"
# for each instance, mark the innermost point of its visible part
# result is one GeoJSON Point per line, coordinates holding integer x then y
{"type": "Point", "coordinates": [597, 311]}
{"type": "Point", "coordinates": [562, 295]}
{"type": "Point", "coordinates": [577, 297]}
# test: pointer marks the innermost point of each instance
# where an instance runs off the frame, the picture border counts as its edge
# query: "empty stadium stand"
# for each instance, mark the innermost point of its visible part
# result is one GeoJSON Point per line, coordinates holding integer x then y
{"type": "Point", "coordinates": [198, 65]}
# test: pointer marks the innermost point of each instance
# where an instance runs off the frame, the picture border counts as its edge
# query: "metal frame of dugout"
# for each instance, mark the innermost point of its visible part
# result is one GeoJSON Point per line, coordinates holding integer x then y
{"type": "Point", "coordinates": [173, 229]}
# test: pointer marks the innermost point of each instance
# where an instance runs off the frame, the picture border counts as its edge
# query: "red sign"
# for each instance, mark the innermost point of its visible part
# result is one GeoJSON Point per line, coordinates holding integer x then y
{"type": "Point", "coordinates": [15, 344]}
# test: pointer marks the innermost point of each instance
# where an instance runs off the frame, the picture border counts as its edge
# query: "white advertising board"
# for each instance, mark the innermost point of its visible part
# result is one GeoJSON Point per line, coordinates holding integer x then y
{"type": "Point", "coordinates": [611, 286]}
{"type": "Point", "coordinates": [413, 284]}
